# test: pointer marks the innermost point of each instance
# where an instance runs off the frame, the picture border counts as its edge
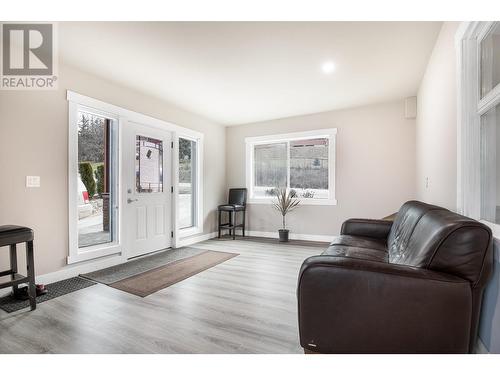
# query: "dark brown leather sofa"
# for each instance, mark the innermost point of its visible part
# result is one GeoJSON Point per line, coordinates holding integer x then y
{"type": "Point", "coordinates": [414, 285]}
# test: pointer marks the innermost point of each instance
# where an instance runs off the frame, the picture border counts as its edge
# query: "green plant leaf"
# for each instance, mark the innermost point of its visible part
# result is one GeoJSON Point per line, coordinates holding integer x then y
{"type": "Point", "coordinates": [285, 202]}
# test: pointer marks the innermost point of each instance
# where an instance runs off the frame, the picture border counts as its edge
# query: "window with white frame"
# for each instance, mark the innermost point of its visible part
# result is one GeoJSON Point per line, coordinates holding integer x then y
{"type": "Point", "coordinates": [93, 179]}
{"type": "Point", "coordinates": [187, 183]}
{"type": "Point", "coordinates": [479, 130]}
{"type": "Point", "coordinates": [303, 162]}
{"type": "Point", "coordinates": [490, 126]}
{"type": "Point", "coordinates": [189, 151]}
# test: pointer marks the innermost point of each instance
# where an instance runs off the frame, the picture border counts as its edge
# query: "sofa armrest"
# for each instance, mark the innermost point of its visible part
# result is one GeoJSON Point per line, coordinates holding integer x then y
{"type": "Point", "coordinates": [367, 228]}
{"type": "Point", "coordinates": [351, 305]}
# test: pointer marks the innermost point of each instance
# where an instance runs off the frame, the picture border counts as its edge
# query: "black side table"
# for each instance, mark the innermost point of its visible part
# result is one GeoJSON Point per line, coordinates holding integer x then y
{"type": "Point", "coordinates": [11, 235]}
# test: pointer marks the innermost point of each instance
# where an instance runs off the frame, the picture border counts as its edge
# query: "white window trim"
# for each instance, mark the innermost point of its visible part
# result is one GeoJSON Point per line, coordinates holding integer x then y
{"type": "Point", "coordinates": [331, 134]}
{"type": "Point", "coordinates": [470, 108]}
{"type": "Point", "coordinates": [89, 252]}
{"type": "Point", "coordinates": [77, 101]}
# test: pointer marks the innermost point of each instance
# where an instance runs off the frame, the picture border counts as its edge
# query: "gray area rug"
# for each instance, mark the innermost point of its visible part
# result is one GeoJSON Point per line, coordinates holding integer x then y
{"type": "Point", "coordinates": [135, 267]}
{"type": "Point", "coordinates": [54, 290]}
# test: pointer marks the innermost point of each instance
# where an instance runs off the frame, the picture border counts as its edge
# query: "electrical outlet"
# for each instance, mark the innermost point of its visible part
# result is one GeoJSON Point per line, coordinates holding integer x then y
{"type": "Point", "coordinates": [427, 183]}
{"type": "Point", "coordinates": [32, 181]}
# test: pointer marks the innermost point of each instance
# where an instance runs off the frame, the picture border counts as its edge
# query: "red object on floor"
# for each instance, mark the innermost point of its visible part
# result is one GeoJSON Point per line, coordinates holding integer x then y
{"type": "Point", "coordinates": [40, 289]}
{"type": "Point", "coordinates": [85, 196]}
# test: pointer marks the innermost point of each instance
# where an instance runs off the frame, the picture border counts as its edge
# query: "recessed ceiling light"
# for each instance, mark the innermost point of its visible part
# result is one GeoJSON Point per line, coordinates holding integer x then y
{"type": "Point", "coordinates": [328, 67]}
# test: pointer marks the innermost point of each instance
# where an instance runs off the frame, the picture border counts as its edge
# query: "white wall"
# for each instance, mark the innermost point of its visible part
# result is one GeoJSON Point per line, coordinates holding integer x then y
{"type": "Point", "coordinates": [436, 131]}
{"type": "Point", "coordinates": [34, 141]}
{"type": "Point", "coordinates": [375, 171]}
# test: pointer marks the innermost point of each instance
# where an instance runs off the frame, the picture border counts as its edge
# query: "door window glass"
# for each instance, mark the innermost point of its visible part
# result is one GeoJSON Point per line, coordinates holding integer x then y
{"type": "Point", "coordinates": [149, 165]}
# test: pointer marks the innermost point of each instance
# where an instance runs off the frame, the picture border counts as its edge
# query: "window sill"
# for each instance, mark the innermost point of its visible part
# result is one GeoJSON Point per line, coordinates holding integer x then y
{"type": "Point", "coordinates": [303, 201]}
{"type": "Point", "coordinates": [93, 252]}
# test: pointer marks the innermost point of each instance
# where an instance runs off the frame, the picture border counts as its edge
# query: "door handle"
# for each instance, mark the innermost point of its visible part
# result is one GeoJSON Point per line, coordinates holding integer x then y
{"type": "Point", "coordinates": [131, 200]}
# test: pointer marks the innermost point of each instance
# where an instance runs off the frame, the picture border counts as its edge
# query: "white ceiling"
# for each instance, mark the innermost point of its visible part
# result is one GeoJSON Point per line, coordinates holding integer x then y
{"type": "Point", "coordinates": [241, 72]}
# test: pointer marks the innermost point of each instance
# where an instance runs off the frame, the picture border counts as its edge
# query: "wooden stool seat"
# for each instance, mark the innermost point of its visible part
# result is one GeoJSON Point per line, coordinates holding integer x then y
{"type": "Point", "coordinates": [15, 234]}
{"type": "Point", "coordinates": [236, 203]}
{"type": "Point", "coordinates": [11, 235]}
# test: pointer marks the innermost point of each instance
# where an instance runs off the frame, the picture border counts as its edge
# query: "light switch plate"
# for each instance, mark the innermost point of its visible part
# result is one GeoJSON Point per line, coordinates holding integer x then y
{"type": "Point", "coordinates": [32, 181]}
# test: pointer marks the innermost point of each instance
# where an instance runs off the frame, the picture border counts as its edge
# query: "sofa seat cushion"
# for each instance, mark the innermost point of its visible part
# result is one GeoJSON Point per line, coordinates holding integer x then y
{"type": "Point", "coordinates": [358, 247]}
{"type": "Point", "coordinates": [358, 241]}
{"type": "Point", "coordinates": [357, 252]}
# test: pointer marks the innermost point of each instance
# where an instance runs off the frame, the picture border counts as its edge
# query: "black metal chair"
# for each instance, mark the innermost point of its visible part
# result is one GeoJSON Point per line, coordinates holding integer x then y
{"type": "Point", "coordinates": [11, 235]}
{"type": "Point", "coordinates": [237, 202]}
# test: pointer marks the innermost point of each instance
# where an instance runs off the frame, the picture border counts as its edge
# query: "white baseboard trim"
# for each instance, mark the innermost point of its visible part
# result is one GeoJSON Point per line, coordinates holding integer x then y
{"type": "Point", "coordinates": [480, 347]}
{"type": "Point", "coordinates": [195, 239]}
{"type": "Point", "coordinates": [78, 268]}
{"type": "Point", "coordinates": [293, 236]}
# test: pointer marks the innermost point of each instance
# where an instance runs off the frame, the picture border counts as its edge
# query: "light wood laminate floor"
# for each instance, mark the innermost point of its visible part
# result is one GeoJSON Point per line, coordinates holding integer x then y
{"type": "Point", "coordinates": [244, 305]}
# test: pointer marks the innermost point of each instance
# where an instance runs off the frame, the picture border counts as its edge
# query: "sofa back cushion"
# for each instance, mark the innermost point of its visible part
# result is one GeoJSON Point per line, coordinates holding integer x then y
{"type": "Point", "coordinates": [405, 222]}
{"type": "Point", "coordinates": [432, 237]}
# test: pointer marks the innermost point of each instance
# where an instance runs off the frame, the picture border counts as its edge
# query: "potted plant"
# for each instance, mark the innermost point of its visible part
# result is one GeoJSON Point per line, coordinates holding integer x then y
{"type": "Point", "coordinates": [285, 202]}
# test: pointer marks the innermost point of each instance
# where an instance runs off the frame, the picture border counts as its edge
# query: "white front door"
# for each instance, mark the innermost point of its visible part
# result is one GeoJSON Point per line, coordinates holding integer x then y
{"type": "Point", "coordinates": [147, 198]}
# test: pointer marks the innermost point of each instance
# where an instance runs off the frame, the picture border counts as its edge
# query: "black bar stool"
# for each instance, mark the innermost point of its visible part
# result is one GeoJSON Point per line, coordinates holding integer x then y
{"type": "Point", "coordinates": [11, 235]}
{"type": "Point", "coordinates": [237, 202]}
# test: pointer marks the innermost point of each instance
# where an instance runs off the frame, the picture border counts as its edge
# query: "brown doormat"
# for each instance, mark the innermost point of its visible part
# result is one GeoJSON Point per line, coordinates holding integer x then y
{"type": "Point", "coordinates": [151, 281]}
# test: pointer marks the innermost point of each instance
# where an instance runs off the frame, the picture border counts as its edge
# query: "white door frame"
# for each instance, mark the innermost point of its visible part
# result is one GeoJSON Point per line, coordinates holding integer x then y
{"type": "Point", "coordinates": [123, 115]}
